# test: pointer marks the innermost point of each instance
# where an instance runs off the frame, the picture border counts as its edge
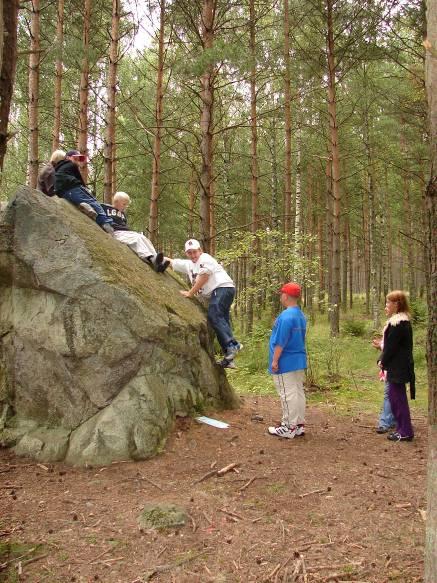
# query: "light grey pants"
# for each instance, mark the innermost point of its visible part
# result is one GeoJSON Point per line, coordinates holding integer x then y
{"type": "Point", "coordinates": [291, 392]}
{"type": "Point", "coordinates": [142, 246]}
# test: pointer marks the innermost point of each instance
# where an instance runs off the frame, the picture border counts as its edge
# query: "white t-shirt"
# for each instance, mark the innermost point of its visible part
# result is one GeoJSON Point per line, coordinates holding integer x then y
{"type": "Point", "coordinates": [206, 264]}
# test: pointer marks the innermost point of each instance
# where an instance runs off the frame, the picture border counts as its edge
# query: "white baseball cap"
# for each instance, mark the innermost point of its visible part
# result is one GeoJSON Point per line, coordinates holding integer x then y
{"type": "Point", "coordinates": [192, 244]}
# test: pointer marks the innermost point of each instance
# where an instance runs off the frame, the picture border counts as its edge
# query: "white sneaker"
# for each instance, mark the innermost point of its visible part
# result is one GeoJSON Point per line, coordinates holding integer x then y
{"type": "Point", "coordinates": [300, 430]}
{"type": "Point", "coordinates": [283, 431]}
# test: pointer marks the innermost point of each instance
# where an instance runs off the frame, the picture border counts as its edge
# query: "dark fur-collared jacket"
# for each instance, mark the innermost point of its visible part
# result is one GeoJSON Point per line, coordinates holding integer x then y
{"type": "Point", "coordinates": [397, 354]}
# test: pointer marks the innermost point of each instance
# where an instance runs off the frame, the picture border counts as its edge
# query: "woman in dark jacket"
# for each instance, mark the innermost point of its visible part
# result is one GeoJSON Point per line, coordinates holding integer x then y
{"type": "Point", "coordinates": [69, 184]}
{"type": "Point", "coordinates": [397, 360]}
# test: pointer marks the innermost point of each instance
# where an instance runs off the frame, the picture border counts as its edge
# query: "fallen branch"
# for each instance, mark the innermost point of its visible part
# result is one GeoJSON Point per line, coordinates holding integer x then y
{"type": "Point", "coordinates": [205, 477]}
{"type": "Point", "coordinates": [152, 483]}
{"type": "Point", "coordinates": [227, 469]}
{"type": "Point", "coordinates": [312, 492]}
{"type": "Point", "coordinates": [11, 487]}
{"type": "Point", "coordinates": [98, 556]}
{"type": "Point", "coordinates": [34, 559]}
{"type": "Point", "coordinates": [229, 513]}
{"type": "Point", "coordinates": [178, 563]}
{"type": "Point", "coordinates": [247, 484]}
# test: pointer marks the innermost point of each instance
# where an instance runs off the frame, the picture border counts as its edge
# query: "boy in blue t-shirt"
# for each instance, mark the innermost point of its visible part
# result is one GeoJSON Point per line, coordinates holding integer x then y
{"type": "Point", "coordinates": [287, 363]}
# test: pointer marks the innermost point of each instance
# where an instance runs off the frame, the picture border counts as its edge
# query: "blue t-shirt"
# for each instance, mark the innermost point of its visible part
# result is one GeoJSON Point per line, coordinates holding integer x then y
{"type": "Point", "coordinates": [289, 333]}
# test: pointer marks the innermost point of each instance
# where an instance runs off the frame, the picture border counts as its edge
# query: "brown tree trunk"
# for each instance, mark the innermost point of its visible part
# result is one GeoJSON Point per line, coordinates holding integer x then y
{"type": "Point", "coordinates": [58, 76]}
{"type": "Point", "coordinates": [254, 161]}
{"type": "Point", "coordinates": [109, 186]}
{"type": "Point", "coordinates": [287, 116]}
{"type": "Point", "coordinates": [34, 71]}
{"type": "Point", "coordinates": [82, 142]}
{"type": "Point", "coordinates": [206, 122]}
{"type": "Point", "coordinates": [156, 162]}
{"type": "Point", "coordinates": [8, 51]}
{"type": "Point", "coordinates": [335, 157]}
{"type": "Point", "coordinates": [431, 246]}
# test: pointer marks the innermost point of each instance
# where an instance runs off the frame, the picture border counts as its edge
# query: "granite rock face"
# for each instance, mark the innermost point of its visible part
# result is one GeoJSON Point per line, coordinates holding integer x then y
{"type": "Point", "coordinates": [98, 353]}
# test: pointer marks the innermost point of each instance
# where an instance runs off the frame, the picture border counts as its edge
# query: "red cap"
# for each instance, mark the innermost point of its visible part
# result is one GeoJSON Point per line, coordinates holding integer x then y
{"type": "Point", "coordinates": [291, 289]}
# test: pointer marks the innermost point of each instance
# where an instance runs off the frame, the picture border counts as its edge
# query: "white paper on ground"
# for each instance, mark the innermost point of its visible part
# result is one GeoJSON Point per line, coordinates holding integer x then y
{"type": "Point", "coordinates": [213, 422]}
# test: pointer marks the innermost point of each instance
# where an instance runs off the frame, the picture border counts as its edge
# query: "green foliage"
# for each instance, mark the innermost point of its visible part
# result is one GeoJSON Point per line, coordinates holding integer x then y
{"type": "Point", "coordinates": [419, 311]}
{"type": "Point", "coordinates": [354, 327]}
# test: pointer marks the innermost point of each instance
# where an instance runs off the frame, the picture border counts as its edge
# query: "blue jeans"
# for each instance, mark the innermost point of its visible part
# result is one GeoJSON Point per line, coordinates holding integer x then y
{"type": "Point", "coordinates": [386, 418]}
{"type": "Point", "coordinates": [219, 315]}
{"type": "Point", "coordinates": [78, 195]}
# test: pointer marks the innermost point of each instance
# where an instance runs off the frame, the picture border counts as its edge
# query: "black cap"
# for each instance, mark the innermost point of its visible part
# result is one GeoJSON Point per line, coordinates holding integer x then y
{"type": "Point", "coordinates": [72, 153]}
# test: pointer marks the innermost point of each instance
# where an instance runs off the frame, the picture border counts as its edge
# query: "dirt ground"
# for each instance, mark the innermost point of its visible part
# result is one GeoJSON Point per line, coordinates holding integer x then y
{"type": "Point", "coordinates": [340, 504]}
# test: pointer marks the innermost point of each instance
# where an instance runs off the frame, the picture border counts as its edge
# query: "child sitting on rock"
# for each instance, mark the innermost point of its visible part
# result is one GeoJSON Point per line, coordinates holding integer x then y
{"type": "Point", "coordinates": [140, 244]}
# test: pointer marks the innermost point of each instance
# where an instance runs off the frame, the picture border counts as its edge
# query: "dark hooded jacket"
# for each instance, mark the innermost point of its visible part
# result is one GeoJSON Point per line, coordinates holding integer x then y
{"type": "Point", "coordinates": [397, 354]}
{"type": "Point", "coordinates": [67, 176]}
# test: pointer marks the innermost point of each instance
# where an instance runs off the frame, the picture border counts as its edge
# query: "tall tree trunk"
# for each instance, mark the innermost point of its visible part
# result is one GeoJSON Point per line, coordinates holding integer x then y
{"type": "Point", "coordinates": [8, 52]}
{"type": "Point", "coordinates": [274, 205]}
{"type": "Point", "coordinates": [34, 61]}
{"type": "Point", "coordinates": [254, 161]}
{"type": "Point", "coordinates": [297, 273]}
{"type": "Point", "coordinates": [156, 162]}
{"type": "Point", "coordinates": [287, 117]}
{"type": "Point", "coordinates": [58, 76]}
{"type": "Point", "coordinates": [109, 186]}
{"type": "Point", "coordinates": [82, 142]}
{"type": "Point", "coordinates": [206, 123]}
{"type": "Point", "coordinates": [431, 246]}
{"type": "Point", "coordinates": [191, 204]}
{"type": "Point", "coordinates": [335, 157]}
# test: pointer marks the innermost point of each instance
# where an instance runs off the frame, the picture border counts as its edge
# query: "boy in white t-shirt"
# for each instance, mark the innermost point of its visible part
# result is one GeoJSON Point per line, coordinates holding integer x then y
{"type": "Point", "coordinates": [209, 279]}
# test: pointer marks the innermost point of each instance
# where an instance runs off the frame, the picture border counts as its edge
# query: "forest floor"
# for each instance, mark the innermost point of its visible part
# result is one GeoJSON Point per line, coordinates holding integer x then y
{"type": "Point", "coordinates": [340, 504]}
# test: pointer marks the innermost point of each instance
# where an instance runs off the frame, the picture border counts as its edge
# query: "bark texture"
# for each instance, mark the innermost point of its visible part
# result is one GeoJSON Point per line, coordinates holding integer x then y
{"type": "Point", "coordinates": [58, 76]}
{"type": "Point", "coordinates": [431, 220]}
{"type": "Point", "coordinates": [8, 51]}
{"type": "Point", "coordinates": [109, 182]}
{"type": "Point", "coordinates": [82, 142]}
{"type": "Point", "coordinates": [206, 121]}
{"type": "Point", "coordinates": [156, 162]}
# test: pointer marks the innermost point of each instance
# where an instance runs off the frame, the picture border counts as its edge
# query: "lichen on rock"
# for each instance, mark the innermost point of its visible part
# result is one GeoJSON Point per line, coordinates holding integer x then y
{"type": "Point", "coordinates": [97, 351]}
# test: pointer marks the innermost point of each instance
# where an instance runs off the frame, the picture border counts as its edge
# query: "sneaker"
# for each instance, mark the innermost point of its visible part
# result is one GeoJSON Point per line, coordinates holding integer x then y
{"type": "Point", "coordinates": [300, 430]}
{"type": "Point", "coordinates": [87, 210]}
{"type": "Point", "coordinates": [107, 227]}
{"type": "Point", "coordinates": [381, 430]}
{"type": "Point", "coordinates": [282, 431]}
{"type": "Point", "coordinates": [232, 351]}
{"type": "Point", "coordinates": [227, 363]}
{"type": "Point", "coordinates": [163, 266]}
{"type": "Point", "coordinates": [395, 436]}
{"type": "Point", "coordinates": [159, 258]}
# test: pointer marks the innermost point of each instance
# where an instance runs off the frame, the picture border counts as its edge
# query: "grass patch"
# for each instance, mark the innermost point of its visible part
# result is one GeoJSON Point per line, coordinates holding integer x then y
{"type": "Point", "coordinates": [342, 372]}
{"type": "Point", "coordinates": [11, 553]}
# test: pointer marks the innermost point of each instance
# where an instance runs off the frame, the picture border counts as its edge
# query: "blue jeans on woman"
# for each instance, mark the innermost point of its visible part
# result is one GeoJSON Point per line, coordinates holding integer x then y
{"type": "Point", "coordinates": [386, 418]}
{"type": "Point", "coordinates": [219, 315]}
{"type": "Point", "coordinates": [78, 195]}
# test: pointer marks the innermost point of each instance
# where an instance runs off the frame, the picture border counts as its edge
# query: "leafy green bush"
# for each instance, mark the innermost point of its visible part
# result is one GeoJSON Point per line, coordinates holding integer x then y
{"type": "Point", "coordinates": [419, 311]}
{"type": "Point", "coordinates": [354, 328]}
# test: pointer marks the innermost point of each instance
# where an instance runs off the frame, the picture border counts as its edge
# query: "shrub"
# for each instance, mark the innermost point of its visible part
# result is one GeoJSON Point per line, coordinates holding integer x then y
{"type": "Point", "coordinates": [419, 311]}
{"type": "Point", "coordinates": [354, 327]}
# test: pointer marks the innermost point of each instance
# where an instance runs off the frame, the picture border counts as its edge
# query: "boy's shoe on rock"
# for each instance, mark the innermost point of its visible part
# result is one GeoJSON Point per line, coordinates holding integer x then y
{"type": "Point", "coordinates": [108, 229]}
{"type": "Point", "coordinates": [232, 351]}
{"type": "Point", "coordinates": [227, 363]}
{"type": "Point", "coordinates": [300, 430]}
{"type": "Point", "coordinates": [282, 431]}
{"type": "Point", "coordinates": [398, 437]}
{"type": "Point", "coordinates": [87, 210]}
{"type": "Point", "coordinates": [163, 266]}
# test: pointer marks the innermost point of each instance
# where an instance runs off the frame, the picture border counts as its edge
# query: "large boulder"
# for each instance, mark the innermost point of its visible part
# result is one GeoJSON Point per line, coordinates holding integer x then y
{"type": "Point", "coordinates": [98, 353]}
